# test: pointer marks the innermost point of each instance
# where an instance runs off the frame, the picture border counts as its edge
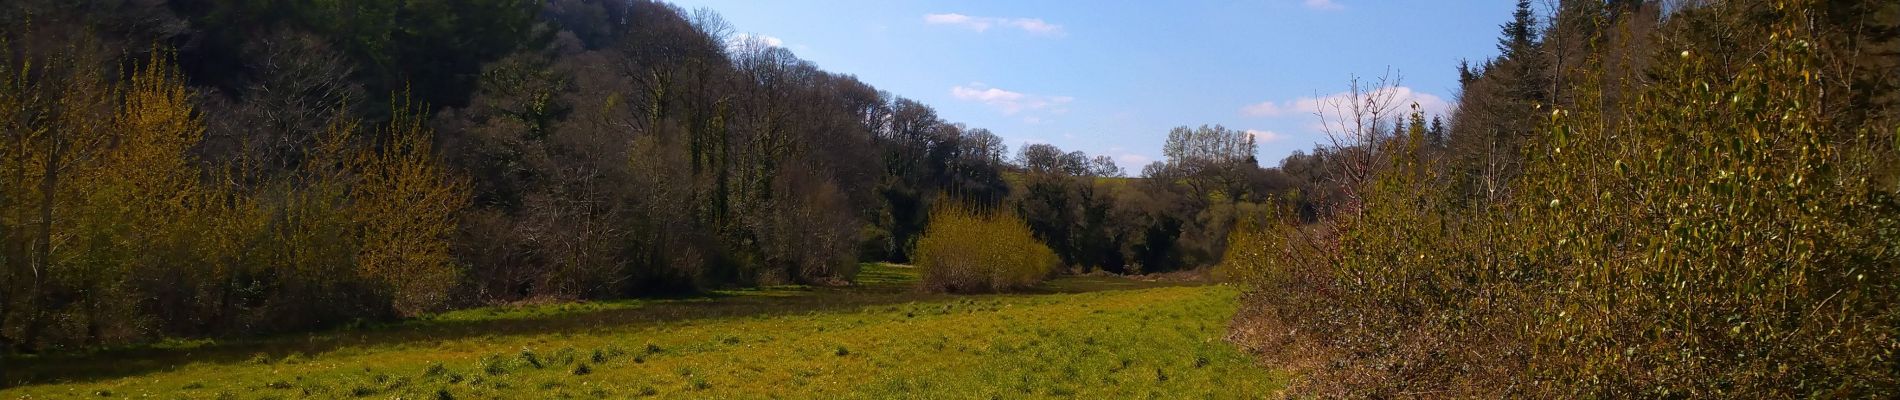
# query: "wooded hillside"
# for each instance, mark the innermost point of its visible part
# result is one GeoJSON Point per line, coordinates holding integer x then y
{"type": "Point", "coordinates": [204, 168]}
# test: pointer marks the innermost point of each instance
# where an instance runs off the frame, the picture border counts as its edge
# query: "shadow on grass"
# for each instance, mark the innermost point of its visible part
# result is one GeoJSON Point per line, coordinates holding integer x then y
{"type": "Point", "coordinates": [878, 286]}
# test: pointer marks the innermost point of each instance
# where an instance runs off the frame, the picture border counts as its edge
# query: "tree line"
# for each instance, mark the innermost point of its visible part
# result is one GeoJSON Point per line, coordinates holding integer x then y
{"type": "Point", "coordinates": [208, 168]}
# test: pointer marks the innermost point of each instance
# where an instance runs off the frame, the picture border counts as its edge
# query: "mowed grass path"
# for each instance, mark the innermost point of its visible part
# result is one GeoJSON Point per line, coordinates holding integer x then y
{"type": "Point", "coordinates": [1098, 337]}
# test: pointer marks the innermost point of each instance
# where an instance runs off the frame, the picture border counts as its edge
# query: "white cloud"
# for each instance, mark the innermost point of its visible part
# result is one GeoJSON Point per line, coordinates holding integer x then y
{"type": "Point", "coordinates": [956, 19]}
{"type": "Point", "coordinates": [1129, 161]}
{"type": "Point", "coordinates": [1265, 136]}
{"type": "Point", "coordinates": [748, 38]}
{"type": "Point", "coordinates": [982, 24]}
{"type": "Point", "coordinates": [1401, 97]}
{"type": "Point", "coordinates": [1263, 109]}
{"type": "Point", "coordinates": [1133, 162]}
{"type": "Point", "coordinates": [1036, 25]}
{"type": "Point", "coordinates": [1010, 103]}
{"type": "Point", "coordinates": [1324, 5]}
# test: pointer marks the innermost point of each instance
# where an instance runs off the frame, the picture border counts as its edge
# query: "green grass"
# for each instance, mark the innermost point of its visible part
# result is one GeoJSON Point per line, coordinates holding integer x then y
{"type": "Point", "coordinates": [1087, 337]}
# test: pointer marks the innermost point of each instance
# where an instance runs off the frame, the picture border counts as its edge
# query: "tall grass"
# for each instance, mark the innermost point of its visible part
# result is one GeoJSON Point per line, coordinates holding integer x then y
{"type": "Point", "coordinates": [970, 250]}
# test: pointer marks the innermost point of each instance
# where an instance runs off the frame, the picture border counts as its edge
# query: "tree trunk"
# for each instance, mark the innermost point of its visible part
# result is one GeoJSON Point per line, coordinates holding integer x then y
{"type": "Point", "coordinates": [43, 249]}
{"type": "Point", "coordinates": [7, 258]}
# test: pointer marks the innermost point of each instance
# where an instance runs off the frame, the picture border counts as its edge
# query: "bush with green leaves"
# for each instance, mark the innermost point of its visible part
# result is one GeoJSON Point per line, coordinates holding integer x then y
{"type": "Point", "coordinates": [969, 250]}
{"type": "Point", "coordinates": [1723, 228]}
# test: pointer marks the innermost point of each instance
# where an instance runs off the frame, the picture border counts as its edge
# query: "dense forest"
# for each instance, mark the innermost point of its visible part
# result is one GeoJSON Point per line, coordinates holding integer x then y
{"type": "Point", "coordinates": [227, 167]}
{"type": "Point", "coordinates": [1632, 200]}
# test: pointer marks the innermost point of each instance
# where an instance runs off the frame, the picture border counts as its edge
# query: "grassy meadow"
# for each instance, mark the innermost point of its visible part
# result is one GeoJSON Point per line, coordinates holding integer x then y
{"type": "Point", "coordinates": [1083, 337]}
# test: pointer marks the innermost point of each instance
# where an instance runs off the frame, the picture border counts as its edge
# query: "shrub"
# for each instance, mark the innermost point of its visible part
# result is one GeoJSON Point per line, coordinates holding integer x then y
{"type": "Point", "coordinates": [1723, 239]}
{"type": "Point", "coordinates": [1723, 231]}
{"type": "Point", "coordinates": [405, 205]}
{"type": "Point", "coordinates": [968, 250]}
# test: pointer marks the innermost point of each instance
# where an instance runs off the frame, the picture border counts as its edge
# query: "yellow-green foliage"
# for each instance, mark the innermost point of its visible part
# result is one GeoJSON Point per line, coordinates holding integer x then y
{"type": "Point", "coordinates": [1725, 231]}
{"type": "Point", "coordinates": [1729, 238]}
{"type": "Point", "coordinates": [112, 231]}
{"type": "Point", "coordinates": [971, 250]}
{"type": "Point", "coordinates": [143, 207]}
{"type": "Point", "coordinates": [872, 341]}
{"type": "Point", "coordinates": [1269, 253]}
{"type": "Point", "coordinates": [406, 205]}
{"type": "Point", "coordinates": [120, 197]}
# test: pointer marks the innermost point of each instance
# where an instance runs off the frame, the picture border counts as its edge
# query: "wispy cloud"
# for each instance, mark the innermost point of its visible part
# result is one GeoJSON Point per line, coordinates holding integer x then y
{"type": "Point", "coordinates": [1402, 98]}
{"type": "Point", "coordinates": [1133, 162]}
{"type": "Point", "coordinates": [983, 24]}
{"type": "Point", "coordinates": [1324, 5]}
{"type": "Point", "coordinates": [1265, 136]}
{"type": "Point", "coordinates": [1267, 108]}
{"type": "Point", "coordinates": [1010, 102]}
{"type": "Point", "coordinates": [754, 38]}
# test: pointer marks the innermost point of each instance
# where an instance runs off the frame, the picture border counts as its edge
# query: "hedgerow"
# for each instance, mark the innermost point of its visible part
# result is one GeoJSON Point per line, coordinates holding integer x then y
{"type": "Point", "coordinates": [1725, 229]}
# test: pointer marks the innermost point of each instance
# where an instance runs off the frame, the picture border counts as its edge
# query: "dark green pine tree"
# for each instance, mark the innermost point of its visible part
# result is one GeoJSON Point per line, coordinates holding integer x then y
{"type": "Point", "coordinates": [1519, 49]}
{"type": "Point", "coordinates": [1520, 34]}
{"type": "Point", "coordinates": [1467, 74]}
{"type": "Point", "coordinates": [1437, 132]}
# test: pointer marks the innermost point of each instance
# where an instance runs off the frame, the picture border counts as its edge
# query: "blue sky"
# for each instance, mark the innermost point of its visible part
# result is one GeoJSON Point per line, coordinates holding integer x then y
{"type": "Point", "coordinates": [1112, 77]}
